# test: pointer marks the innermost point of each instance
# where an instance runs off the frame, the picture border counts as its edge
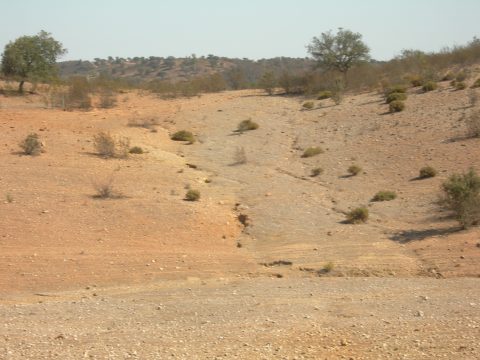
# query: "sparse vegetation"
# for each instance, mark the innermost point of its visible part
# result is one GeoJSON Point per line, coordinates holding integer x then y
{"type": "Point", "coordinates": [9, 198]}
{"type": "Point", "coordinates": [147, 123]}
{"type": "Point", "coordinates": [398, 89]}
{"type": "Point", "coordinates": [78, 95]}
{"type": "Point", "coordinates": [461, 76]}
{"type": "Point", "coordinates": [31, 145]}
{"type": "Point", "coordinates": [328, 267]}
{"type": "Point", "coordinates": [312, 151]}
{"type": "Point", "coordinates": [429, 86]}
{"type": "Point", "coordinates": [358, 215]}
{"type": "Point", "coordinates": [326, 94]}
{"type": "Point", "coordinates": [396, 106]}
{"type": "Point", "coordinates": [462, 197]}
{"type": "Point", "coordinates": [192, 195]}
{"type": "Point", "coordinates": [240, 157]}
{"type": "Point", "coordinates": [316, 171]}
{"type": "Point", "coordinates": [416, 80]}
{"type": "Point", "coordinates": [476, 84]}
{"type": "Point", "coordinates": [449, 76]}
{"type": "Point", "coordinates": [104, 187]}
{"type": "Point", "coordinates": [184, 135]}
{"type": "Point", "coordinates": [136, 150]}
{"type": "Point", "coordinates": [354, 170]}
{"type": "Point", "coordinates": [384, 196]}
{"type": "Point", "coordinates": [472, 123]}
{"type": "Point", "coordinates": [247, 125]}
{"type": "Point", "coordinates": [309, 105]}
{"type": "Point", "coordinates": [427, 172]}
{"type": "Point", "coordinates": [460, 85]}
{"type": "Point", "coordinates": [108, 146]}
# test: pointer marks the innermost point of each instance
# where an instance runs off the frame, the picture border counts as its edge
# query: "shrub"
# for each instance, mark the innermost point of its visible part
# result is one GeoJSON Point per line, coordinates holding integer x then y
{"type": "Point", "coordinates": [384, 196]}
{"type": "Point", "coordinates": [312, 151]}
{"type": "Point", "coordinates": [328, 267]}
{"type": "Point", "coordinates": [144, 123]}
{"type": "Point", "coordinates": [396, 97]}
{"type": "Point", "coordinates": [240, 157]}
{"type": "Point", "coordinates": [448, 76]}
{"type": "Point", "coordinates": [324, 95]}
{"type": "Point", "coordinates": [476, 84]}
{"type": "Point", "coordinates": [396, 106]}
{"type": "Point", "coordinates": [429, 86]}
{"type": "Point", "coordinates": [395, 89]}
{"type": "Point", "coordinates": [108, 146]}
{"type": "Point", "coordinates": [460, 85]}
{"type": "Point", "coordinates": [192, 195]}
{"type": "Point", "coordinates": [79, 91]}
{"type": "Point", "coordinates": [107, 99]}
{"type": "Point", "coordinates": [183, 135]}
{"type": "Point", "coordinates": [354, 170]}
{"type": "Point", "coordinates": [416, 80]}
{"type": "Point", "coordinates": [247, 125]}
{"type": "Point", "coordinates": [31, 145]}
{"type": "Point", "coordinates": [136, 150]}
{"type": "Point", "coordinates": [104, 188]}
{"type": "Point", "coordinates": [316, 171]}
{"type": "Point", "coordinates": [358, 215]}
{"type": "Point", "coordinates": [461, 76]}
{"type": "Point", "coordinates": [462, 196]}
{"type": "Point", "coordinates": [308, 105]}
{"type": "Point", "coordinates": [472, 123]}
{"type": "Point", "coordinates": [427, 172]}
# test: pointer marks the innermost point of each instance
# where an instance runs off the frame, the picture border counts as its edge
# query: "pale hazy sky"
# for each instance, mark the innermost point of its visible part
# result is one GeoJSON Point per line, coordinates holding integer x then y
{"type": "Point", "coordinates": [237, 28]}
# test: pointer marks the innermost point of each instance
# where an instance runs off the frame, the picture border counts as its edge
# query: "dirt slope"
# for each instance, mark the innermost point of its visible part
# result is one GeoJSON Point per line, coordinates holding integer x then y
{"type": "Point", "coordinates": [148, 275]}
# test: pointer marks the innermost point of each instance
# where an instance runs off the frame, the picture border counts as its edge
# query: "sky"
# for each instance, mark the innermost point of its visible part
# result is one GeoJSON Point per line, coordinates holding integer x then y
{"type": "Point", "coordinates": [252, 29]}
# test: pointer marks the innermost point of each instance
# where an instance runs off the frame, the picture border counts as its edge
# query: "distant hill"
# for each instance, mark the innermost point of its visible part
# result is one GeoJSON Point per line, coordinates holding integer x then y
{"type": "Point", "coordinates": [141, 69]}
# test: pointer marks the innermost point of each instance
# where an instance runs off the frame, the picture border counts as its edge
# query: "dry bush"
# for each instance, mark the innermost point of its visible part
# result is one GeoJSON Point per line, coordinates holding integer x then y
{"type": "Point", "coordinates": [192, 195]}
{"type": "Point", "coordinates": [460, 85]}
{"type": "Point", "coordinates": [147, 123]}
{"type": "Point", "coordinates": [108, 146]}
{"type": "Point", "coordinates": [461, 76]}
{"type": "Point", "coordinates": [476, 84]}
{"type": "Point", "coordinates": [183, 135]}
{"type": "Point", "coordinates": [358, 215]}
{"type": "Point", "coordinates": [31, 145]}
{"type": "Point", "coordinates": [107, 99]}
{"type": "Point", "coordinates": [396, 97]}
{"type": "Point", "coordinates": [449, 76]}
{"type": "Point", "coordinates": [316, 171]}
{"type": "Point", "coordinates": [247, 125]}
{"type": "Point", "coordinates": [462, 197]}
{"type": "Point", "coordinates": [396, 106]}
{"type": "Point", "coordinates": [312, 151]}
{"type": "Point", "coordinates": [354, 170]}
{"type": "Point", "coordinates": [78, 95]}
{"type": "Point", "coordinates": [416, 80]}
{"type": "Point", "coordinates": [384, 196]}
{"type": "Point", "coordinates": [309, 105]}
{"type": "Point", "coordinates": [326, 94]}
{"type": "Point", "coordinates": [104, 188]}
{"type": "Point", "coordinates": [427, 172]}
{"type": "Point", "coordinates": [136, 150]}
{"type": "Point", "coordinates": [429, 86]}
{"type": "Point", "coordinates": [240, 157]}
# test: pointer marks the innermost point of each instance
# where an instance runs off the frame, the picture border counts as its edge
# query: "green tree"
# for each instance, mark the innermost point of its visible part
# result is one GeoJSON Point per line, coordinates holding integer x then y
{"type": "Point", "coordinates": [31, 58]}
{"type": "Point", "coordinates": [268, 82]}
{"type": "Point", "coordinates": [339, 51]}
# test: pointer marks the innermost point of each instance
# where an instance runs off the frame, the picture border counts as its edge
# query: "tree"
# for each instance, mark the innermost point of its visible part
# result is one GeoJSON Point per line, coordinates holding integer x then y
{"type": "Point", "coordinates": [339, 51]}
{"type": "Point", "coordinates": [268, 82]}
{"type": "Point", "coordinates": [31, 58]}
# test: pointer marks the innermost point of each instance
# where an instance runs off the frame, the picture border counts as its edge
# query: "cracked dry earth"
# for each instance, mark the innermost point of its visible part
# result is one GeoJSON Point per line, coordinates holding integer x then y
{"type": "Point", "coordinates": [151, 276]}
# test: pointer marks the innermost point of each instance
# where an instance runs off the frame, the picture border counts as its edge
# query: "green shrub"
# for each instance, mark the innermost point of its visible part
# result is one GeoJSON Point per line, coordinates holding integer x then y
{"type": "Point", "coordinates": [183, 135]}
{"type": "Point", "coordinates": [324, 95]}
{"type": "Point", "coordinates": [31, 145]}
{"type": "Point", "coordinates": [328, 267]}
{"type": "Point", "coordinates": [396, 97]}
{"type": "Point", "coordinates": [358, 215]}
{"type": "Point", "coordinates": [396, 106]}
{"type": "Point", "coordinates": [476, 84]}
{"type": "Point", "coordinates": [460, 85]}
{"type": "Point", "coordinates": [108, 146]}
{"type": "Point", "coordinates": [316, 171]}
{"type": "Point", "coordinates": [247, 125]}
{"type": "Point", "coordinates": [384, 196]}
{"type": "Point", "coordinates": [192, 195]}
{"type": "Point", "coordinates": [312, 151]}
{"type": "Point", "coordinates": [308, 105]}
{"type": "Point", "coordinates": [427, 172]}
{"type": "Point", "coordinates": [429, 86]}
{"type": "Point", "coordinates": [354, 170]}
{"type": "Point", "coordinates": [136, 150]}
{"type": "Point", "coordinates": [462, 197]}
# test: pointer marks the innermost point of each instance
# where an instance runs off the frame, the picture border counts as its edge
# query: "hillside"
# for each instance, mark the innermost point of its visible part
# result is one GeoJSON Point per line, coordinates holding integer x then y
{"type": "Point", "coordinates": [264, 265]}
{"type": "Point", "coordinates": [141, 69]}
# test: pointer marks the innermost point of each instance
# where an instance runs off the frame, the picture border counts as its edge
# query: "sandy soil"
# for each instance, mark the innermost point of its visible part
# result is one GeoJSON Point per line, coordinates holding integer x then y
{"type": "Point", "coordinates": [148, 275]}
